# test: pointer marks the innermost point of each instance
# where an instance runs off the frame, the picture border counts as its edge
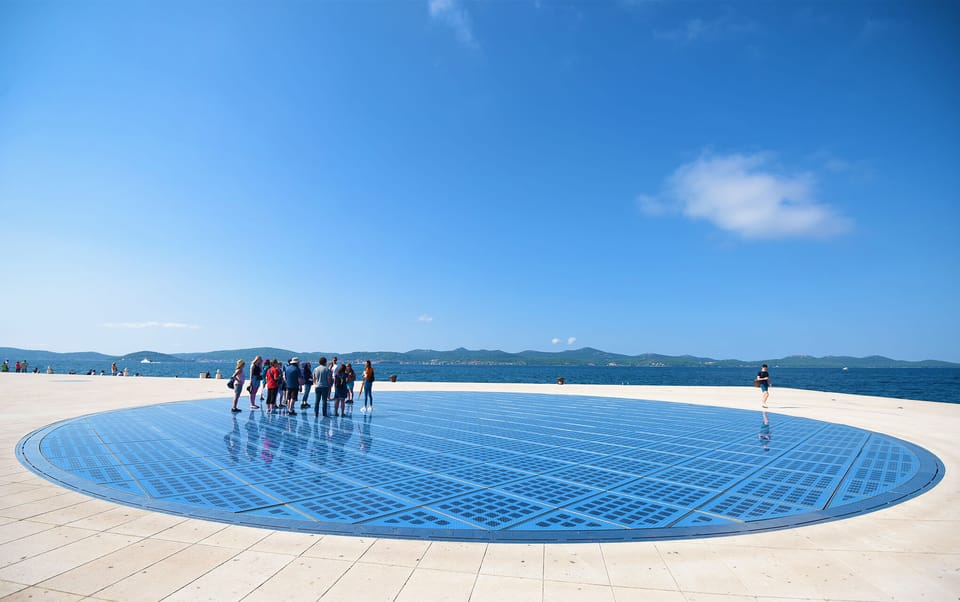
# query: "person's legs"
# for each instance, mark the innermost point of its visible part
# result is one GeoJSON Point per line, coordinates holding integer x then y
{"type": "Point", "coordinates": [306, 395]}
{"type": "Point", "coordinates": [237, 389]}
{"type": "Point", "coordinates": [766, 394]}
{"type": "Point", "coordinates": [324, 397]}
{"type": "Point", "coordinates": [254, 387]}
{"type": "Point", "coordinates": [368, 394]}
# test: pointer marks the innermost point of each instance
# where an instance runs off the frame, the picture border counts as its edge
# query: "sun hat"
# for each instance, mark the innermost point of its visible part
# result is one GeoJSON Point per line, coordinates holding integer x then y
{"type": "Point", "coordinates": [294, 360]}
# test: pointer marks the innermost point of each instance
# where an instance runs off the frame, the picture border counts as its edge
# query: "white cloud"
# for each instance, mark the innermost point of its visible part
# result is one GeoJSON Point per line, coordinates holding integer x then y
{"type": "Point", "coordinates": [696, 29]}
{"type": "Point", "coordinates": [743, 194]}
{"type": "Point", "coordinates": [425, 318]}
{"type": "Point", "coordinates": [454, 16]}
{"type": "Point", "coordinates": [571, 340]}
{"type": "Point", "coordinates": [555, 341]}
{"type": "Point", "coordinates": [139, 325]}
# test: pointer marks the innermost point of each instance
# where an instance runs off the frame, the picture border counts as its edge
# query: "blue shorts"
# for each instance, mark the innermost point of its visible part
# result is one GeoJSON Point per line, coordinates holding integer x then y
{"type": "Point", "coordinates": [764, 387]}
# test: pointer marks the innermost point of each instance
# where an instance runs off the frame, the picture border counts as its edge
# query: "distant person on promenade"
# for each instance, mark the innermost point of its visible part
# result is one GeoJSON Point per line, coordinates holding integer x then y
{"type": "Point", "coordinates": [321, 379]}
{"type": "Point", "coordinates": [256, 374]}
{"type": "Point", "coordinates": [113, 369]}
{"type": "Point", "coordinates": [5, 366]}
{"type": "Point", "coordinates": [293, 376]}
{"type": "Point", "coordinates": [273, 385]}
{"type": "Point", "coordinates": [366, 388]}
{"type": "Point", "coordinates": [237, 384]}
{"type": "Point", "coordinates": [763, 379]}
{"type": "Point", "coordinates": [307, 378]}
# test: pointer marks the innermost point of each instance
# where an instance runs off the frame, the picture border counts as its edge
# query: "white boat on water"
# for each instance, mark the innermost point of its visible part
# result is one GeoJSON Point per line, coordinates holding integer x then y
{"type": "Point", "coordinates": [146, 360]}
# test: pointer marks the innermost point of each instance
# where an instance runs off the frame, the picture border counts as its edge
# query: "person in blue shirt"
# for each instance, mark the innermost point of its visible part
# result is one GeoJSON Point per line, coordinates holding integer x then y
{"type": "Point", "coordinates": [293, 377]}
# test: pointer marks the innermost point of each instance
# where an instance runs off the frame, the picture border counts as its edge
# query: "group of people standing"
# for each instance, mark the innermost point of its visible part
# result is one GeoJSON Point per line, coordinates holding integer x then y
{"type": "Point", "coordinates": [284, 384]}
{"type": "Point", "coordinates": [20, 367]}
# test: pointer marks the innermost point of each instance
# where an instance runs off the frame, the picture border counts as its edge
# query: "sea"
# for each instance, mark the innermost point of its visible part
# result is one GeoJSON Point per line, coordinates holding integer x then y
{"type": "Point", "coordinates": [929, 384]}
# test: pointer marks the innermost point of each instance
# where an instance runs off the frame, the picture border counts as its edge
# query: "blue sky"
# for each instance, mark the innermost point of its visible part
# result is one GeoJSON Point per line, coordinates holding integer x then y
{"type": "Point", "coordinates": [735, 180]}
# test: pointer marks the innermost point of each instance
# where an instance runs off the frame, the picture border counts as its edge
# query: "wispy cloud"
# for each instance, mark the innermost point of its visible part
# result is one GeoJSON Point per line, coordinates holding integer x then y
{"type": "Point", "coordinates": [555, 341]}
{"type": "Point", "coordinates": [859, 169]}
{"type": "Point", "coordinates": [746, 195]}
{"type": "Point", "coordinates": [697, 29]}
{"type": "Point", "coordinates": [558, 340]}
{"type": "Point", "coordinates": [875, 29]}
{"type": "Point", "coordinates": [425, 318]}
{"type": "Point", "coordinates": [571, 340]}
{"type": "Point", "coordinates": [453, 15]}
{"type": "Point", "coordinates": [139, 325]}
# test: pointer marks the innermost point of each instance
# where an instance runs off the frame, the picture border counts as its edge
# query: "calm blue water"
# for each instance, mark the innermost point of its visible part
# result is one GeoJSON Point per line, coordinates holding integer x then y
{"type": "Point", "coordinates": [932, 384]}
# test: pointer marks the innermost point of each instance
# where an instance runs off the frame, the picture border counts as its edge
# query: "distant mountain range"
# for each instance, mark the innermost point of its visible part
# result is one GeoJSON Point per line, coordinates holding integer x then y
{"type": "Point", "coordinates": [586, 356]}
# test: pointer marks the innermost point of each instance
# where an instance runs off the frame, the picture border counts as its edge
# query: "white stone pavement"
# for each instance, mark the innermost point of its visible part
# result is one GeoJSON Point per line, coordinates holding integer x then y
{"type": "Point", "coordinates": [60, 545]}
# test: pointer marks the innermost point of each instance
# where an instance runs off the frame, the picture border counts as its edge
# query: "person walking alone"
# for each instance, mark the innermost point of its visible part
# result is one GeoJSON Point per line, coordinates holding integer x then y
{"type": "Point", "coordinates": [763, 379]}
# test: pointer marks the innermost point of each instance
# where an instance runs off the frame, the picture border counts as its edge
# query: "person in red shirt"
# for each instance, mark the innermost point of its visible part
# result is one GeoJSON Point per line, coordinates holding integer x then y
{"type": "Point", "coordinates": [273, 385]}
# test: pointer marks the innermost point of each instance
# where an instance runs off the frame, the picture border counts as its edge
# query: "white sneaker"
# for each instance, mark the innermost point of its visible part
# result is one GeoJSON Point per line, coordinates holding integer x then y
{"type": "Point", "coordinates": [363, 410]}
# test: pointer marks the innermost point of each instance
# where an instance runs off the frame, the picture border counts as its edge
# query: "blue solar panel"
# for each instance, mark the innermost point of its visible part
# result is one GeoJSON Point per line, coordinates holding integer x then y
{"type": "Point", "coordinates": [630, 512]}
{"type": "Point", "coordinates": [562, 520]}
{"type": "Point", "coordinates": [748, 508]}
{"type": "Point", "coordinates": [483, 466]}
{"type": "Point", "coordinates": [490, 509]}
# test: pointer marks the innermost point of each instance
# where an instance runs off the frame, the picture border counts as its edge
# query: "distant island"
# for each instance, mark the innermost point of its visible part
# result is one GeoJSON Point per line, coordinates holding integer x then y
{"type": "Point", "coordinates": [586, 356]}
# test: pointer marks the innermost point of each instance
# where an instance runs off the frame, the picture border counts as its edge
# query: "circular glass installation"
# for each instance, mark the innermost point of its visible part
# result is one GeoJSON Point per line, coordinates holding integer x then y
{"type": "Point", "coordinates": [511, 467]}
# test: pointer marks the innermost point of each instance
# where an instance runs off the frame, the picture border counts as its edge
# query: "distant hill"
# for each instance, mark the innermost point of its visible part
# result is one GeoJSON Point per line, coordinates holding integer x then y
{"type": "Point", "coordinates": [31, 355]}
{"type": "Point", "coordinates": [153, 356]}
{"type": "Point", "coordinates": [231, 355]}
{"type": "Point", "coordinates": [586, 356]}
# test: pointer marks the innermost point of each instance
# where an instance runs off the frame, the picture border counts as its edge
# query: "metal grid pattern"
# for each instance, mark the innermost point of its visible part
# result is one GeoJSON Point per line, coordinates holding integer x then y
{"type": "Point", "coordinates": [483, 466]}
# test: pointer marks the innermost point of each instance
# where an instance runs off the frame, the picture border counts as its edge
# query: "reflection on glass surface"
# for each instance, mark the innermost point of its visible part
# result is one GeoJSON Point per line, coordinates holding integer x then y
{"type": "Point", "coordinates": [764, 435]}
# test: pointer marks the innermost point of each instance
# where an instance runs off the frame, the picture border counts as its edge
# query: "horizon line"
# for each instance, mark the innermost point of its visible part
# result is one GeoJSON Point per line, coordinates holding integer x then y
{"type": "Point", "coordinates": [461, 348]}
